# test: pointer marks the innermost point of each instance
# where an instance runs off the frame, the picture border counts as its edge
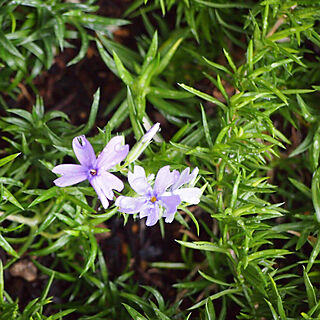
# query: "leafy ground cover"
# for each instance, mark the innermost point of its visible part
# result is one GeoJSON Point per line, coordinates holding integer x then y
{"type": "Point", "coordinates": [235, 89]}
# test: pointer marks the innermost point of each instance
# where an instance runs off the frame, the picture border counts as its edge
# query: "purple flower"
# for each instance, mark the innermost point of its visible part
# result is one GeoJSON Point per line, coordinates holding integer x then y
{"type": "Point", "coordinates": [151, 201]}
{"type": "Point", "coordinates": [94, 169]}
{"type": "Point", "coordinates": [190, 194]}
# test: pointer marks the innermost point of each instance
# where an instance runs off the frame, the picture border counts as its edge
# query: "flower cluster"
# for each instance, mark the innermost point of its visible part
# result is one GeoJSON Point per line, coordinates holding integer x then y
{"type": "Point", "coordinates": [164, 197]}
{"type": "Point", "coordinates": [170, 188]}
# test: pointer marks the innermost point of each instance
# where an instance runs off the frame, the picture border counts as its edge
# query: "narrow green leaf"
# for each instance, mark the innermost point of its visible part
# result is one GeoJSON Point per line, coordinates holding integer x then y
{"type": "Point", "coordinates": [204, 245]}
{"type": "Point", "coordinates": [79, 203]}
{"type": "Point", "coordinates": [61, 314]}
{"type": "Point", "coordinates": [124, 74]}
{"type": "Point", "coordinates": [235, 192]}
{"type": "Point", "coordinates": [46, 195]}
{"type": "Point", "coordinates": [7, 159]}
{"type": "Point", "coordinates": [250, 56]}
{"type": "Point", "coordinates": [210, 313]}
{"type": "Point", "coordinates": [92, 255]}
{"type": "Point", "coordinates": [289, 32]}
{"type": "Point", "coordinates": [59, 29]}
{"type": "Point", "coordinates": [204, 96]}
{"type": "Point", "coordinates": [312, 299]}
{"type": "Point", "coordinates": [315, 190]}
{"type": "Point", "coordinates": [218, 5]}
{"type": "Point", "coordinates": [7, 195]}
{"type": "Point", "coordinates": [107, 59]}
{"type": "Point", "coordinates": [279, 300]}
{"type": "Point", "coordinates": [214, 297]}
{"type": "Point", "coordinates": [93, 112]}
{"type": "Point", "coordinates": [214, 280]}
{"type": "Point", "coordinates": [314, 254]}
{"type": "Point", "coordinates": [133, 115]}
{"type": "Point", "coordinates": [305, 110]}
{"type": "Point", "coordinates": [193, 218]}
{"type": "Point", "coordinates": [168, 56]}
{"type": "Point", "coordinates": [301, 187]}
{"type": "Point", "coordinates": [206, 128]}
{"type": "Point", "coordinates": [61, 242]}
{"type": "Point", "coordinates": [217, 66]}
{"type": "Point", "coordinates": [45, 291]}
{"type": "Point", "coordinates": [84, 45]}
{"type": "Point", "coordinates": [273, 311]}
{"type": "Point", "coordinates": [265, 20]}
{"type": "Point", "coordinates": [230, 61]}
{"type": "Point", "coordinates": [157, 295]}
{"type": "Point", "coordinates": [58, 275]}
{"type": "Point", "coordinates": [151, 52]}
{"type": "Point", "coordinates": [6, 247]}
{"type": "Point", "coordinates": [1, 283]}
{"type": "Point", "coordinates": [273, 89]}
{"type": "Point", "coordinates": [134, 313]}
{"type": "Point", "coordinates": [268, 253]}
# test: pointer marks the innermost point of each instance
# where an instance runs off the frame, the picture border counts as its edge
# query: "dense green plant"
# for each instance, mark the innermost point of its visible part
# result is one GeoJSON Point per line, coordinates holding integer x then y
{"type": "Point", "coordinates": [245, 113]}
{"type": "Point", "coordinates": [32, 33]}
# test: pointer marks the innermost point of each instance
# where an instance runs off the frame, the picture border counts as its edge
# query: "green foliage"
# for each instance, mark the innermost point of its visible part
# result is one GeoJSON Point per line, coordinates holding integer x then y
{"type": "Point", "coordinates": [236, 88]}
{"type": "Point", "coordinates": [32, 32]}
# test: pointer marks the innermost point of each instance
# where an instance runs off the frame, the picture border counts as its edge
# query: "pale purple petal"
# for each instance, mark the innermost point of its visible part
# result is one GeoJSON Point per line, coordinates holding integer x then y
{"type": "Point", "coordinates": [182, 179]}
{"type": "Point", "coordinates": [185, 178]}
{"type": "Point", "coordinates": [84, 151]}
{"type": "Point", "coordinates": [108, 180]}
{"type": "Point", "coordinates": [130, 205]}
{"type": "Point", "coordinates": [113, 153]}
{"type": "Point", "coordinates": [176, 176]}
{"type": "Point", "coordinates": [100, 192]}
{"type": "Point", "coordinates": [193, 175]}
{"type": "Point", "coordinates": [71, 174]}
{"type": "Point", "coordinates": [138, 181]}
{"type": "Point", "coordinates": [150, 133]}
{"type": "Point", "coordinates": [153, 216]}
{"type": "Point", "coordinates": [144, 212]}
{"type": "Point", "coordinates": [67, 180]}
{"type": "Point", "coordinates": [189, 195]}
{"type": "Point", "coordinates": [164, 180]}
{"type": "Point", "coordinates": [169, 217]}
{"type": "Point", "coordinates": [69, 169]}
{"type": "Point", "coordinates": [170, 203]}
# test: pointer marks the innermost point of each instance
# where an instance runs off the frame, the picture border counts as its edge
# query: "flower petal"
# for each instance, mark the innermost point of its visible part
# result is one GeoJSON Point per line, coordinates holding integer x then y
{"type": "Point", "coordinates": [100, 192]}
{"type": "Point", "coordinates": [169, 217]}
{"type": "Point", "coordinates": [189, 195]}
{"type": "Point", "coordinates": [185, 178]}
{"type": "Point", "coordinates": [164, 180]}
{"type": "Point", "coordinates": [69, 169]}
{"type": "Point", "coordinates": [71, 174]}
{"type": "Point", "coordinates": [84, 151]}
{"type": "Point", "coordinates": [130, 204]}
{"type": "Point", "coordinates": [138, 181]}
{"type": "Point", "coordinates": [144, 212]}
{"type": "Point", "coordinates": [113, 153]}
{"type": "Point", "coordinates": [150, 133]}
{"type": "Point", "coordinates": [170, 203]}
{"type": "Point", "coordinates": [109, 181]}
{"type": "Point", "coordinates": [153, 216]}
{"type": "Point", "coordinates": [193, 174]}
{"type": "Point", "coordinates": [181, 179]}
